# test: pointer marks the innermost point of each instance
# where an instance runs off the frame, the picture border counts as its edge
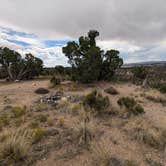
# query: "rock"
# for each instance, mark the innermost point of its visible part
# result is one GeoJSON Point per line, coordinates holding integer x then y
{"type": "Point", "coordinates": [111, 90]}
{"type": "Point", "coordinates": [51, 132]}
{"type": "Point", "coordinates": [115, 162]}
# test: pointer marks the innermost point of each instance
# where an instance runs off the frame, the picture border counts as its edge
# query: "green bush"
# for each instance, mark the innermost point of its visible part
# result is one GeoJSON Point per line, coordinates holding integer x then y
{"type": "Point", "coordinates": [140, 72]}
{"type": "Point", "coordinates": [55, 81]}
{"type": "Point", "coordinates": [160, 86]}
{"type": "Point", "coordinates": [96, 102]}
{"type": "Point", "coordinates": [18, 111]}
{"type": "Point", "coordinates": [41, 91]}
{"type": "Point", "coordinates": [128, 102]}
{"type": "Point", "coordinates": [131, 105]}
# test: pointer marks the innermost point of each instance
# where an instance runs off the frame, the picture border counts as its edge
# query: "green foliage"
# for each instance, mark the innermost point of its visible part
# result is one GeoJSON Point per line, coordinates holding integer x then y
{"type": "Point", "coordinates": [55, 81]}
{"type": "Point", "coordinates": [96, 102]}
{"type": "Point", "coordinates": [40, 107]}
{"type": "Point", "coordinates": [41, 91]}
{"type": "Point", "coordinates": [17, 67]}
{"type": "Point", "coordinates": [4, 120]}
{"type": "Point", "coordinates": [42, 118]}
{"type": "Point", "coordinates": [34, 124]}
{"type": "Point", "coordinates": [89, 63]}
{"type": "Point", "coordinates": [160, 86]}
{"type": "Point", "coordinates": [140, 72]}
{"type": "Point", "coordinates": [18, 111]}
{"type": "Point", "coordinates": [131, 105]}
{"type": "Point", "coordinates": [38, 134]}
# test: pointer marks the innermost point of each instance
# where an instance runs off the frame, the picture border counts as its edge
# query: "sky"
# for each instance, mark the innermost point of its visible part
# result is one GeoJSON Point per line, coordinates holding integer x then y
{"type": "Point", "coordinates": [137, 28]}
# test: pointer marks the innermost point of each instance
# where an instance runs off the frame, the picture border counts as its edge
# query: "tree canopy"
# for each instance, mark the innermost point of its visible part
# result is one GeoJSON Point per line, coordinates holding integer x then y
{"type": "Point", "coordinates": [17, 67]}
{"type": "Point", "coordinates": [89, 62]}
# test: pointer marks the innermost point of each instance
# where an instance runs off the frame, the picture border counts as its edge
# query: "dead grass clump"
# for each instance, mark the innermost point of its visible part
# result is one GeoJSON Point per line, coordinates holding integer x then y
{"type": "Point", "coordinates": [150, 137]}
{"type": "Point", "coordinates": [157, 99]}
{"type": "Point", "coordinates": [84, 130]}
{"type": "Point", "coordinates": [101, 153]}
{"type": "Point", "coordinates": [15, 145]}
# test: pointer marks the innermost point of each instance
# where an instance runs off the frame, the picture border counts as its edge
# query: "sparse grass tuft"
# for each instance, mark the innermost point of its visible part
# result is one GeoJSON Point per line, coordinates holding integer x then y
{"type": "Point", "coordinates": [40, 107]}
{"type": "Point", "coordinates": [42, 118]}
{"type": "Point", "coordinates": [4, 120]}
{"type": "Point", "coordinates": [18, 111]}
{"type": "Point", "coordinates": [34, 124]}
{"type": "Point", "coordinates": [38, 134]}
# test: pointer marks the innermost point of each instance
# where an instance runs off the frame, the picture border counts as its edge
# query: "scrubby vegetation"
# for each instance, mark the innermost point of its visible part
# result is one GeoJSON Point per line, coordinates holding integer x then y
{"type": "Point", "coordinates": [90, 63]}
{"type": "Point", "coordinates": [96, 102]}
{"type": "Point", "coordinates": [131, 105]}
{"type": "Point", "coordinates": [55, 81]}
{"type": "Point", "coordinates": [160, 86]}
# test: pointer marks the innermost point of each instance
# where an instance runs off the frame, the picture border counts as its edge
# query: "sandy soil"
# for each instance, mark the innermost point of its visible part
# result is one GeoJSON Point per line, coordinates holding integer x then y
{"type": "Point", "coordinates": [115, 129]}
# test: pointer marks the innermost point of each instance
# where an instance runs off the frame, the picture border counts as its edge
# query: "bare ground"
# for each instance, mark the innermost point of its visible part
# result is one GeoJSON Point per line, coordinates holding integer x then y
{"type": "Point", "coordinates": [114, 128]}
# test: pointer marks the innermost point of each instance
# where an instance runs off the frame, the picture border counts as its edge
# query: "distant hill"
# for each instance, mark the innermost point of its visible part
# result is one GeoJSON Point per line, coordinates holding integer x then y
{"type": "Point", "coordinates": [149, 63]}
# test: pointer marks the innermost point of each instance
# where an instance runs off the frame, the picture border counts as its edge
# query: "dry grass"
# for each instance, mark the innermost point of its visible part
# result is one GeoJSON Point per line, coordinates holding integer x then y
{"type": "Point", "coordinates": [101, 153]}
{"type": "Point", "coordinates": [15, 145]}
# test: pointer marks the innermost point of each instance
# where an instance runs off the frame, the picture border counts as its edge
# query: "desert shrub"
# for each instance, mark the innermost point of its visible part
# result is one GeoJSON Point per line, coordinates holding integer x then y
{"type": "Point", "coordinates": [131, 105]}
{"type": "Point", "coordinates": [15, 146]}
{"type": "Point", "coordinates": [18, 111]}
{"type": "Point", "coordinates": [96, 102]}
{"type": "Point", "coordinates": [38, 134]}
{"type": "Point", "coordinates": [4, 120]}
{"type": "Point", "coordinates": [55, 81]}
{"type": "Point", "coordinates": [41, 91]}
{"type": "Point", "coordinates": [34, 124]}
{"type": "Point", "coordinates": [40, 107]}
{"type": "Point", "coordinates": [160, 86]}
{"type": "Point", "coordinates": [163, 88]}
{"type": "Point", "coordinates": [139, 72]}
{"type": "Point", "coordinates": [42, 118]}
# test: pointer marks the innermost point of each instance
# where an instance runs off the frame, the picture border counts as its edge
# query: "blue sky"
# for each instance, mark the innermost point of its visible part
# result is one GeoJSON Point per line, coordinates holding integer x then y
{"type": "Point", "coordinates": [50, 51]}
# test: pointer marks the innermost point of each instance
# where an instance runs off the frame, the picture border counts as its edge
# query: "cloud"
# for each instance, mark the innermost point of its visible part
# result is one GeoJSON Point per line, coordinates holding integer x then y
{"type": "Point", "coordinates": [50, 51]}
{"type": "Point", "coordinates": [135, 27]}
{"type": "Point", "coordinates": [139, 20]}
